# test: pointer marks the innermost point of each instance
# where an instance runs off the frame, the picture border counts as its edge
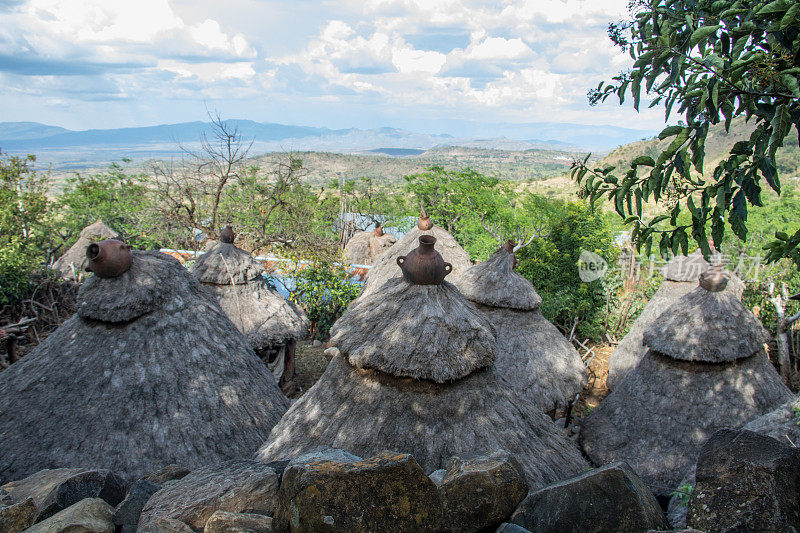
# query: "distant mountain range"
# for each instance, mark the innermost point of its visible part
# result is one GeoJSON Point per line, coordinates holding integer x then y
{"type": "Point", "coordinates": [68, 149]}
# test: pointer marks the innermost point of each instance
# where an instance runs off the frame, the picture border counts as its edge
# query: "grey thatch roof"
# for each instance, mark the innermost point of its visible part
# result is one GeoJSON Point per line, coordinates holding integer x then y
{"type": "Point", "coordinates": [365, 412]}
{"type": "Point", "coordinates": [357, 248]}
{"type": "Point", "coordinates": [224, 262]}
{"type": "Point", "coordinates": [364, 247]}
{"type": "Point", "coordinates": [685, 268]}
{"type": "Point", "coordinates": [74, 260]}
{"type": "Point", "coordinates": [385, 266]}
{"type": "Point", "coordinates": [494, 282]}
{"type": "Point", "coordinates": [417, 331]}
{"type": "Point", "coordinates": [535, 360]}
{"type": "Point", "coordinates": [660, 415]}
{"type": "Point", "coordinates": [263, 315]}
{"type": "Point", "coordinates": [176, 383]}
{"type": "Point", "coordinates": [706, 326]}
{"type": "Point", "coordinates": [631, 349]}
{"type": "Point", "coordinates": [780, 424]}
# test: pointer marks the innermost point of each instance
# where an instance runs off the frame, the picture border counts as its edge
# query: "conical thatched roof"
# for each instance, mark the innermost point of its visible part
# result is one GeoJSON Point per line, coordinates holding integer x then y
{"type": "Point", "coordinates": [255, 308]}
{"type": "Point", "coordinates": [149, 372]}
{"type": "Point", "coordinates": [680, 277]}
{"type": "Point", "coordinates": [780, 424]}
{"type": "Point", "coordinates": [416, 331]}
{"type": "Point", "coordinates": [72, 263]}
{"type": "Point", "coordinates": [365, 403]}
{"type": "Point", "coordinates": [224, 262]}
{"type": "Point", "coordinates": [365, 246]}
{"type": "Point", "coordinates": [711, 327]}
{"type": "Point", "coordinates": [494, 282]}
{"type": "Point", "coordinates": [533, 357]}
{"type": "Point", "coordinates": [685, 267]}
{"type": "Point", "coordinates": [385, 266]}
{"type": "Point", "coordinates": [660, 415]}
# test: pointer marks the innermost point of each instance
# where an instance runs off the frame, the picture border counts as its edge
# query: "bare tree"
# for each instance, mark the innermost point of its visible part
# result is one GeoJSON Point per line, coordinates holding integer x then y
{"type": "Point", "coordinates": [779, 299]}
{"type": "Point", "coordinates": [192, 191]}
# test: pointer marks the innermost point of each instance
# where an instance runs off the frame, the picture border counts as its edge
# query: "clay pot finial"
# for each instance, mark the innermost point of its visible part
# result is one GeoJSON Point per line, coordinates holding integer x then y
{"type": "Point", "coordinates": [424, 223]}
{"type": "Point", "coordinates": [227, 235]}
{"type": "Point", "coordinates": [108, 258]}
{"type": "Point", "coordinates": [714, 279]}
{"type": "Point", "coordinates": [509, 246]}
{"type": "Point", "coordinates": [378, 231]}
{"type": "Point", "coordinates": [424, 265]}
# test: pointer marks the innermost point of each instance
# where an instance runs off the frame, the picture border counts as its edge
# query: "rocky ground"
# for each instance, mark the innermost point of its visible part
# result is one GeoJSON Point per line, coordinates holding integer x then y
{"type": "Point", "coordinates": [744, 482]}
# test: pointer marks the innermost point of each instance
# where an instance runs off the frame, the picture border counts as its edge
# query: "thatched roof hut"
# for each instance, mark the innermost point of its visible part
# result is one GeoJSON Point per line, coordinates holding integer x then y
{"type": "Point", "coordinates": [386, 267]}
{"type": "Point", "coordinates": [364, 247]}
{"type": "Point", "coordinates": [271, 323]}
{"type": "Point", "coordinates": [781, 424]}
{"type": "Point", "coordinates": [416, 375]}
{"type": "Point", "coordinates": [680, 277]}
{"type": "Point", "coordinates": [706, 368]}
{"type": "Point", "coordinates": [72, 263]}
{"type": "Point", "coordinates": [532, 355]}
{"type": "Point", "coordinates": [148, 372]}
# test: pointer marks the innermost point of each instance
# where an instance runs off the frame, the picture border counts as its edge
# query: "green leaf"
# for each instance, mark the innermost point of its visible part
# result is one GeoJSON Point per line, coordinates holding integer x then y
{"type": "Point", "coordinates": [669, 131]}
{"type": "Point", "coordinates": [702, 33]}
{"type": "Point", "coordinates": [644, 160]}
{"type": "Point", "coordinates": [790, 17]}
{"type": "Point", "coordinates": [773, 7]}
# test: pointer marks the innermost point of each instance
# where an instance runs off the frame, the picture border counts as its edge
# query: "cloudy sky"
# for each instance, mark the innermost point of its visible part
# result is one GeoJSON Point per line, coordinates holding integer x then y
{"type": "Point", "coordinates": [425, 65]}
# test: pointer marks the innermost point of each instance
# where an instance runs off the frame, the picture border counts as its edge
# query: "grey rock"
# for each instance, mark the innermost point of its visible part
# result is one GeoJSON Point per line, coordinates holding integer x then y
{"type": "Point", "coordinates": [127, 513]}
{"type": "Point", "coordinates": [387, 492]}
{"type": "Point", "coordinates": [235, 486]}
{"type": "Point", "coordinates": [166, 525]}
{"type": "Point", "coordinates": [437, 476]}
{"type": "Point", "coordinates": [5, 498]}
{"type": "Point", "coordinates": [39, 485]}
{"type": "Point", "coordinates": [92, 515]}
{"type": "Point", "coordinates": [18, 516]}
{"type": "Point", "coordinates": [505, 527]}
{"type": "Point", "coordinates": [170, 472]}
{"type": "Point", "coordinates": [609, 498]}
{"type": "Point", "coordinates": [745, 482]}
{"type": "Point", "coordinates": [225, 522]}
{"type": "Point", "coordinates": [481, 493]}
{"type": "Point", "coordinates": [316, 343]}
{"type": "Point", "coordinates": [102, 484]}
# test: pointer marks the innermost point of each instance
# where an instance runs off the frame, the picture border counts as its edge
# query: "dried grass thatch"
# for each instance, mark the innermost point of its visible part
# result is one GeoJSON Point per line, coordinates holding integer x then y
{"type": "Point", "coordinates": [364, 247]}
{"type": "Point", "coordinates": [385, 266]}
{"type": "Point", "coordinates": [704, 326]}
{"type": "Point", "coordinates": [533, 357]}
{"type": "Point", "coordinates": [71, 265]}
{"type": "Point", "coordinates": [365, 412]}
{"type": "Point", "coordinates": [416, 331]}
{"type": "Point", "coordinates": [364, 404]}
{"type": "Point", "coordinates": [781, 424]}
{"type": "Point", "coordinates": [149, 372]}
{"type": "Point", "coordinates": [255, 308]}
{"type": "Point", "coordinates": [659, 416]}
{"type": "Point", "coordinates": [680, 277]}
{"type": "Point", "coordinates": [495, 283]}
{"type": "Point", "coordinates": [535, 360]}
{"type": "Point", "coordinates": [224, 263]}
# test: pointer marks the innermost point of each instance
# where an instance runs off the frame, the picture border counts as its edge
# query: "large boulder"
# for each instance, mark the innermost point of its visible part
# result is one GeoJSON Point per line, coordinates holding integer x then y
{"type": "Point", "coordinates": [18, 516]}
{"type": "Point", "coordinates": [235, 486]}
{"type": "Point", "coordinates": [102, 484]}
{"type": "Point", "coordinates": [170, 472]}
{"type": "Point", "coordinates": [609, 498]}
{"type": "Point", "coordinates": [91, 515]}
{"type": "Point", "coordinates": [225, 522]}
{"type": "Point", "coordinates": [126, 515]}
{"type": "Point", "coordinates": [38, 485]}
{"type": "Point", "coordinates": [746, 482]}
{"type": "Point", "coordinates": [481, 492]}
{"type": "Point", "coordinates": [389, 491]}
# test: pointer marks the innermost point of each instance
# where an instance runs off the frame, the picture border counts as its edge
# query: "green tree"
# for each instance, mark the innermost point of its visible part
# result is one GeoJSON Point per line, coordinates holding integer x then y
{"type": "Point", "coordinates": [551, 264]}
{"type": "Point", "coordinates": [121, 200]}
{"type": "Point", "coordinates": [711, 61]}
{"type": "Point", "coordinates": [25, 234]}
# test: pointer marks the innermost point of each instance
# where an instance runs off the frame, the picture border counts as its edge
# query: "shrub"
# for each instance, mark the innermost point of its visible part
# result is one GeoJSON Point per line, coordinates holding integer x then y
{"type": "Point", "coordinates": [324, 290]}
